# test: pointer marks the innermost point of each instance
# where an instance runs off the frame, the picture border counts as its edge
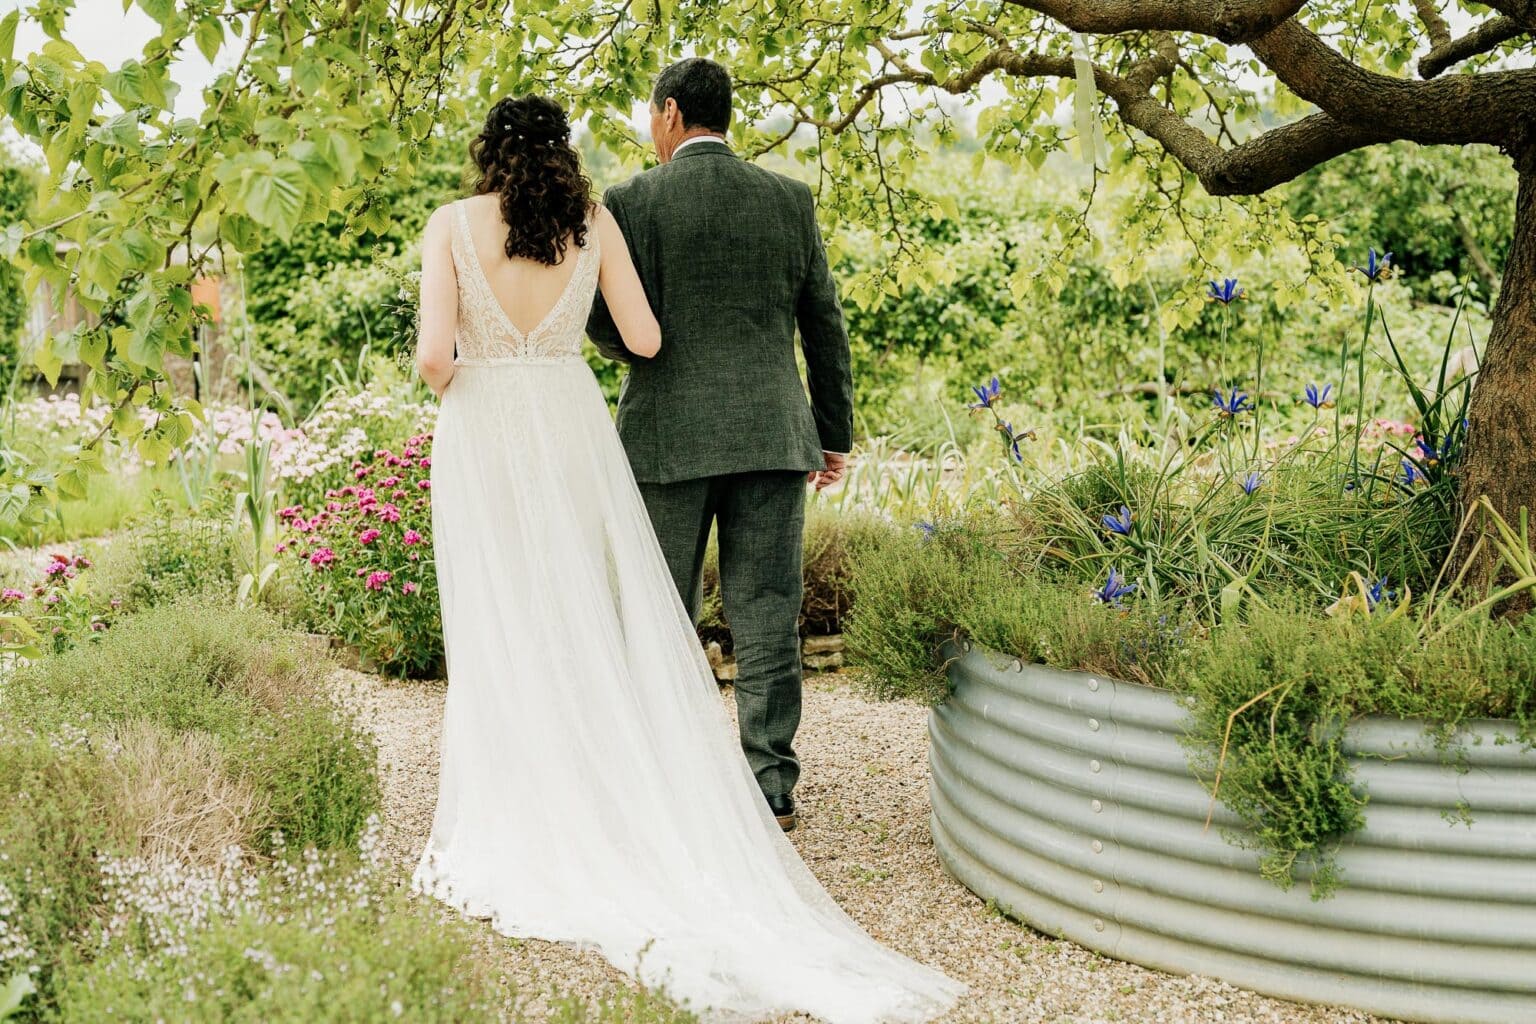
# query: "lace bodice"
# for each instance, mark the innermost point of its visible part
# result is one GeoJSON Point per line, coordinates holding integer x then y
{"type": "Point", "coordinates": [485, 332]}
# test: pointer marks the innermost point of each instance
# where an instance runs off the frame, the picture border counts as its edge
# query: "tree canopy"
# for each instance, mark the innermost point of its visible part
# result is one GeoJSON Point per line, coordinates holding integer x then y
{"type": "Point", "coordinates": [324, 98]}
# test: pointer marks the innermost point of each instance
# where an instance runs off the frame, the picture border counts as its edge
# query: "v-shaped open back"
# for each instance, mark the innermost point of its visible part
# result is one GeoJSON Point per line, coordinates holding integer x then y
{"type": "Point", "coordinates": [486, 331]}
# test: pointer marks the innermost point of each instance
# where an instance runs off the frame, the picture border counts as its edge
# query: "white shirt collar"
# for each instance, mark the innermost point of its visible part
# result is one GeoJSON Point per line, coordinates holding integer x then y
{"type": "Point", "coordinates": [699, 138]}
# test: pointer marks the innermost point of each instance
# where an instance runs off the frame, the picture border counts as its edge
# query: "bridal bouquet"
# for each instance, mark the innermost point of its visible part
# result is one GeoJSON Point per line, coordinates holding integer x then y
{"type": "Point", "coordinates": [365, 565]}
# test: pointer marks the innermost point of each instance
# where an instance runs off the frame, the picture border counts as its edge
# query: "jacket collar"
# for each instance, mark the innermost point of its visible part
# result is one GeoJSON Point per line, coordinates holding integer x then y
{"type": "Point", "coordinates": [707, 147]}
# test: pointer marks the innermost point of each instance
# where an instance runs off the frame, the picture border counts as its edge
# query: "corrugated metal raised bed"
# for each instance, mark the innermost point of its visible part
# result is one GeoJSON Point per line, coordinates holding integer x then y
{"type": "Point", "coordinates": [1066, 797]}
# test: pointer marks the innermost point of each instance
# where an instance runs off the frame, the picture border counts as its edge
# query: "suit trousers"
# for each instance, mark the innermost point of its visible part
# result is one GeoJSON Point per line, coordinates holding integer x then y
{"type": "Point", "coordinates": [761, 521]}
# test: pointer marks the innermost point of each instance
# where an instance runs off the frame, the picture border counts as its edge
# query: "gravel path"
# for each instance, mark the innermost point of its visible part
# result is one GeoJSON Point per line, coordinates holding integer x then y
{"type": "Point", "coordinates": [864, 831]}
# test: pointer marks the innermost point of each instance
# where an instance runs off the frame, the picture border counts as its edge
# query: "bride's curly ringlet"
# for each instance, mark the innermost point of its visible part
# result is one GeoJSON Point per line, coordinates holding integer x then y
{"type": "Point", "coordinates": [524, 154]}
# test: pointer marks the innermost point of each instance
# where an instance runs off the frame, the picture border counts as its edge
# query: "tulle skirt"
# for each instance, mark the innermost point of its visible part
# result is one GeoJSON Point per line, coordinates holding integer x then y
{"type": "Point", "coordinates": [592, 789]}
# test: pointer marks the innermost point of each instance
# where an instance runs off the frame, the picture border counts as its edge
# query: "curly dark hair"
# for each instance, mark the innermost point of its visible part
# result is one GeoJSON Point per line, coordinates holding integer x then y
{"type": "Point", "coordinates": [525, 155]}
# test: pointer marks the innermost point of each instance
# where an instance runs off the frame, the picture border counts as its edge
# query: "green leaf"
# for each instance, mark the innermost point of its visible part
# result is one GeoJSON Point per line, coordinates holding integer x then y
{"type": "Point", "coordinates": [46, 361]}
{"type": "Point", "coordinates": [8, 34]}
{"type": "Point", "coordinates": [274, 195]}
{"type": "Point", "coordinates": [209, 36]}
{"type": "Point", "coordinates": [309, 74]}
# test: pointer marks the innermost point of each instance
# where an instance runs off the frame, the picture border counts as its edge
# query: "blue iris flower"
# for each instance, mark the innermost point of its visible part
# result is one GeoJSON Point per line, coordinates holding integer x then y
{"type": "Point", "coordinates": [1230, 405]}
{"type": "Point", "coordinates": [1319, 399]}
{"type": "Point", "coordinates": [1006, 429]}
{"type": "Point", "coordinates": [1115, 589]}
{"type": "Point", "coordinates": [1252, 482]}
{"type": "Point", "coordinates": [1120, 524]}
{"type": "Point", "coordinates": [1427, 452]}
{"type": "Point", "coordinates": [1378, 592]}
{"type": "Point", "coordinates": [987, 394]}
{"type": "Point", "coordinates": [1225, 293]}
{"type": "Point", "coordinates": [927, 529]}
{"type": "Point", "coordinates": [1411, 474]}
{"type": "Point", "coordinates": [1376, 268]}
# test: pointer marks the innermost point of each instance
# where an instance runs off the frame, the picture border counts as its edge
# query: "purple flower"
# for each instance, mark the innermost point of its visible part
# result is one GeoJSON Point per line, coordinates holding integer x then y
{"type": "Point", "coordinates": [1252, 482]}
{"type": "Point", "coordinates": [1114, 590]}
{"type": "Point", "coordinates": [377, 579]}
{"type": "Point", "coordinates": [1230, 405]}
{"type": "Point", "coordinates": [1427, 452]}
{"type": "Point", "coordinates": [1225, 293]}
{"type": "Point", "coordinates": [987, 394]}
{"type": "Point", "coordinates": [926, 528]}
{"type": "Point", "coordinates": [1411, 474]}
{"type": "Point", "coordinates": [1376, 269]}
{"type": "Point", "coordinates": [1120, 524]}
{"type": "Point", "coordinates": [1378, 592]}
{"type": "Point", "coordinates": [1319, 399]}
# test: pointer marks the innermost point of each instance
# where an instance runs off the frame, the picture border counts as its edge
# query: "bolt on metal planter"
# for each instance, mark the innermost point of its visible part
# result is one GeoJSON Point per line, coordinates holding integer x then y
{"type": "Point", "coordinates": [1066, 798]}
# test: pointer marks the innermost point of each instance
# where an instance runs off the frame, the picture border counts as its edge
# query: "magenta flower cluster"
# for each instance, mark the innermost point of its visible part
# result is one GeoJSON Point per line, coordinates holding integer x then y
{"type": "Point", "coordinates": [363, 555]}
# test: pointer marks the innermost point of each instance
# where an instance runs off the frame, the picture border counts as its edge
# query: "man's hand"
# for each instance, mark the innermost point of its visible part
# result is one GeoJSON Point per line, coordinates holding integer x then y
{"type": "Point", "coordinates": [824, 478]}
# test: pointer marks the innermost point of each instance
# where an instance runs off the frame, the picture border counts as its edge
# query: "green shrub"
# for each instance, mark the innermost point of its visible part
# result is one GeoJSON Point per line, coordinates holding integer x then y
{"type": "Point", "coordinates": [53, 802]}
{"type": "Point", "coordinates": [1288, 680]}
{"type": "Point", "coordinates": [236, 675]}
{"type": "Point", "coordinates": [914, 588]}
{"type": "Point", "coordinates": [316, 937]}
{"type": "Point", "coordinates": [1284, 673]}
{"type": "Point", "coordinates": [170, 554]}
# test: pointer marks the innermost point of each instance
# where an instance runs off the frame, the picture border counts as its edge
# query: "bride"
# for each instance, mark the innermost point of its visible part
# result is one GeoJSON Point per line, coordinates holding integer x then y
{"type": "Point", "coordinates": [592, 789]}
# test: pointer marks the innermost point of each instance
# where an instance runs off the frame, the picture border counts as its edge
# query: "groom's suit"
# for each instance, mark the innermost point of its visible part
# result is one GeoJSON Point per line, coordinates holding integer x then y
{"type": "Point", "coordinates": [718, 426]}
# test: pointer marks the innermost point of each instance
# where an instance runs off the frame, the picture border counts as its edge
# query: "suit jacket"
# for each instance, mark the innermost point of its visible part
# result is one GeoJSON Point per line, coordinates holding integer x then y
{"type": "Point", "coordinates": [732, 262]}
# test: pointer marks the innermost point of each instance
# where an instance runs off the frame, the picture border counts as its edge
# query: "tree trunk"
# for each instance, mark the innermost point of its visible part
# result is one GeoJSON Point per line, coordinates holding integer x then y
{"type": "Point", "coordinates": [1500, 454]}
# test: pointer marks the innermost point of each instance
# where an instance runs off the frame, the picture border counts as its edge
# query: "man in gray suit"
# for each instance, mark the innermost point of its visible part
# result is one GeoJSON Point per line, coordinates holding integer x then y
{"type": "Point", "coordinates": [718, 426]}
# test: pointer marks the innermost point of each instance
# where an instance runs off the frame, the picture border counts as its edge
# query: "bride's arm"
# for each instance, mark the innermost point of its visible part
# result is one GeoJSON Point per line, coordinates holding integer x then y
{"type": "Point", "coordinates": [622, 291]}
{"type": "Point", "coordinates": [439, 309]}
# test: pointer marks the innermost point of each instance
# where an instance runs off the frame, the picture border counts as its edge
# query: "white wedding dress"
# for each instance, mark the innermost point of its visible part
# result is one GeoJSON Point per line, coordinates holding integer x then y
{"type": "Point", "coordinates": [593, 790]}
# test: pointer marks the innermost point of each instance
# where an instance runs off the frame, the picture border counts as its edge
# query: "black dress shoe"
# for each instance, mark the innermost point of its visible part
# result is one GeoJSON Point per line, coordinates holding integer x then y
{"type": "Point", "coordinates": [783, 808]}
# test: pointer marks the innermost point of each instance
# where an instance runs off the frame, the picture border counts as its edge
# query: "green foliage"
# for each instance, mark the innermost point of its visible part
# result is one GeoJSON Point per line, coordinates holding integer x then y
{"type": "Point", "coordinates": [235, 675]}
{"type": "Point", "coordinates": [53, 822]}
{"type": "Point", "coordinates": [171, 554]}
{"type": "Point", "coordinates": [1287, 681]}
{"type": "Point", "coordinates": [17, 192]}
{"type": "Point", "coordinates": [1286, 675]}
{"type": "Point", "coordinates": [1428, 205]}
{"type": "Point", "coordinates": [336, 945]}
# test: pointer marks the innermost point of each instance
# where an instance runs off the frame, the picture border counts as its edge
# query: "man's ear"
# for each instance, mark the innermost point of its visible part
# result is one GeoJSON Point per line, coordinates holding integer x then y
{"type": "Point", "coordinates": [674, 116]}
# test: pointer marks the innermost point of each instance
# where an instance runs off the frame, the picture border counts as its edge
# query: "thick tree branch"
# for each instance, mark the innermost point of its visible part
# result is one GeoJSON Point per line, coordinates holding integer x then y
{"type": "Point", "coordinates": [1231, 21]}
{"type": "Point", "coordinates": [1480, 40]}
{"type": "Point", "coordinates": [1439, 31]}
{"type": "Point", "coordinates": [1488, 107]}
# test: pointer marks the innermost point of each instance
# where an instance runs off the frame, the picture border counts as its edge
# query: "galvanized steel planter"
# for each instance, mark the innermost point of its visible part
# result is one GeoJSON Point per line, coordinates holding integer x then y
{"type": "Point", "coordinates": [1066, 798]}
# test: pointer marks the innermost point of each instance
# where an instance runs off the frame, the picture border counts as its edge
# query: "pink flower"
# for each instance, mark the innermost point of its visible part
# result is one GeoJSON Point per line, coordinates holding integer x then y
{"type": "Point", "coordinates": [387, 512]}
{"type": "Point", "coordinates": [425, 462]}
{"type": "Point", "coordinates": [348, 491]}
{"type": "Point", "coordinates": [282, 546]}
{"type": "Point", "coordinates": [11, 594]}
{"type": "Point", "coordinates": [81, 562]}
{"type": "Point", "coordinates": [425, 485]}
{"type": "Point", "coordinates": [393, 460]}
{"type": "Point", "coordinates": [389, 481]}
{"type": "Point", "coordinates": [333, 506]}
{"type": "Point", "coordinates": [116, 602]}
{"type": "Point", "coordinates": [52, 599]}
{"type": "Point", "coordinates": [56, 568]}
{"type": "Point", "coordinates": [411, 537]}
{"type": "Point", "coordinates": [408, 588]}
{"type": "Point", "coordinates": [290, 511]}
{"type": "Point", "coordinates": [376, 580]}
{"type": "Point", "coordinates": [97, 626]}
{"type": "Point", "coordinates": [361, 572]}
{"type": "Point", "coordinates": [322, 558]}
{"type": "Point", "coordinates": [368, 536]}
{"type": "Point", "coordinates": [381, 453]}
{"type": "Point", "coordinates": [360, 473]}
